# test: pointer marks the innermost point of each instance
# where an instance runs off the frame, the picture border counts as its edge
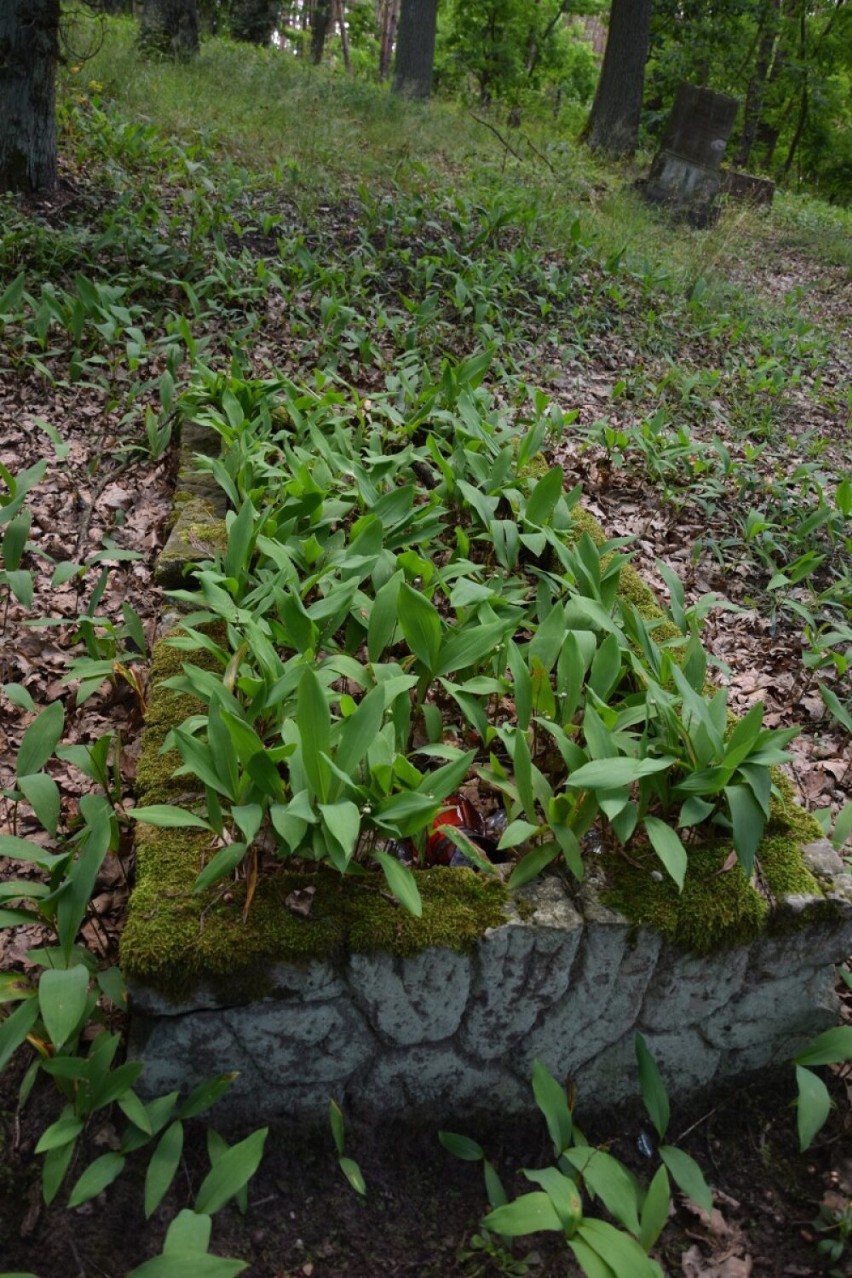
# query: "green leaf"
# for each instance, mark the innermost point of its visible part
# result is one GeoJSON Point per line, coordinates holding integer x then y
{"type": "Point", "coordinates": [63, 995]}
{"type": "Point", "coordinates": [240, 530]}
{"type": "Point", "coordinates": [64, 1131]}
{"type": "Point", "coordinates": [592, 1265]}
{"type": "Point", "coordinates": [606, 667]}
{"type": "Point", "coordinates": [421, 625]}
{"type": "Point", "coordinates": [526, 1215]}
{"type": "Point", "coordinates": [813, 1105]}
{"type": "Point", "coordinates": [842, 827]}
{"type": "Point", "coordinates": [668, 847]}
{"type": "Point", "coordinates": [343, 822]}
{"type": "Point", "coordinates": [467, 646]}
{"type": "Point", "coordinates": [169, 817]}
{"type": "Point", "coordinates": [353, 1174]}
{"type": "Point", "coordinates": [748, 822]}
{"type": "Point", "coordinates": [553, 1103]}
{"type": "Point", "coordinates": [225, 860]}
{"type": "Point", "coordinates": [401, 882]}
{"type": "Point", "coordinates": [654, 1094]}
{"type": "Point", "coordinates": [494, 1190]}
{"type": "Point", "coordinates": [247, 818]}
{"type": "Point", "coordinates": [694, 811]}
{"type": "Point", "coordinates": [606, 1178]}
{"type": "Point", "coordinates": [562, 1192]}
{"type": "Point", "coordinates": [335, 1122]}
{"type": "Point", "coordinates": [40, 740]}
{"type": "Point", "coordinates": [42, 794]}
{"type": "Point", "coordinates": [610, 774]}
{"type": "Point", "coordinates": [185, 1253]}
{"type": "Point", "coordinates": [621, 1252]}
{"type": "Point", "coordinates": [543, 498]}
{"type": "Point", "coordinates": [532, 864]}
{"type": "Point", "coordinates": [836, 707]}
{"type": "Point", "coordinates": [655, 1209]}
{"type": "Point", "coordinates": [205, 1094]}
{"type": "Point", "coordinates": [829, 1048]}
{"type": "Point", "coordinates": [313, 719]}
{"type": "Point", "coordinates": [56, 1162]}
{"type": "Point", "coordinates": [189, 1264]}
{"type": "Point", "coordinates": [19, 696]}
{"type": "Point", "coordinates": [383, 616]}
{"type": "Point", "coordinates": [222, 751]}
{"type": "Point", "coordinates": [360, 730]}
{"type": "Point", "coordinates": [197, 758]}
{"type": "Point", "coordinates": [406, 813]}
{"type": "Point", "coordinates": [546, 644]}
{"type": "Point", "coordinates": [520, 751]}
{"type": "Point", "coordinates": [461, 1146]}
{"type": "Point", "coordinates": [15, 540]}
{"type": "Point", "coordinates": [233, 1170]}
{"type": "Point", "coordinates": [688, 1176]}
{"type": "Point", "coordinates": [97, 1176]}
{"type": "Point", "coordinates": [116, 1084]}
{"type": "Point", "coordinates": [15, 1027]}
{"type": "Point", "coordinates": [162, 1166]}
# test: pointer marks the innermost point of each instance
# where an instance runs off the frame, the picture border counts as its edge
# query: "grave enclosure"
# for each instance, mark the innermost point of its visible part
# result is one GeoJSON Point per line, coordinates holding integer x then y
{"type": "Point", "coordinates": [451, 1020]}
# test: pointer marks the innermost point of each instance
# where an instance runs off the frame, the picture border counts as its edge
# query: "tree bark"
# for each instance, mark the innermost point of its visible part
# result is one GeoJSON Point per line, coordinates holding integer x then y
{"type": "Point", "coordinates": [757, 82]}
{"type": "Point", "coordinates": [320, 19]}
{"type": "Point", "coordinates": [169, 27]}
{"type": "Point", "coordinates": [387, 16]}
{"type": "Point", "coordinates": [415, 48]}
{"type": "Point", "coordinates": [253, 21]}
{"type": "Point", "coordinates": [340, 17]}
{"type": "Point", "coordinates": [613, 125]}
{"type": "Point", "coordinates": [29, 48]}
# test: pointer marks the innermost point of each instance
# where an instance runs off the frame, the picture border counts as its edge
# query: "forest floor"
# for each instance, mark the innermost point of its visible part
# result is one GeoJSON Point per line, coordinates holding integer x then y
{"type": "Point", "coordinates": [102, 496]}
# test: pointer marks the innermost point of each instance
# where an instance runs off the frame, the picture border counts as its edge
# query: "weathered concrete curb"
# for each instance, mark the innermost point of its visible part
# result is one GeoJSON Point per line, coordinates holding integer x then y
{"type": "Point", "coordinates": [445, 1033]}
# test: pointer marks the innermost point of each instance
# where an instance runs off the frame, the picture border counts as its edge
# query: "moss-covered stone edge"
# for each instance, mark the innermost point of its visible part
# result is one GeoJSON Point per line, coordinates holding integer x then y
{"type": "Point", "coordinates": [719, 907]}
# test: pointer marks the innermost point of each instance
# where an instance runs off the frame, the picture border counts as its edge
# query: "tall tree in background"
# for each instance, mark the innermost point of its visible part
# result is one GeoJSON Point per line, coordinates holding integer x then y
{"type": "Point", "coordinates": [613, 125]}
{"type": "Point", "coordinates": [387, 17]}
{"type": "Point", "coordinates": [320, 22]}
{"type": "Point", "coordinates": [29, 48]}
{"type": "Point", "coordinates": [169, 27]}
{"type": "Point", "coordinates": [254, 20]}
{"type": "Point", "coordinates": [415, 48]}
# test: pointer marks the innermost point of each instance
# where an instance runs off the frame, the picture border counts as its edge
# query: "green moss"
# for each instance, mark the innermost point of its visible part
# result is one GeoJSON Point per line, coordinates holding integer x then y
{"type": "Point", "coordinates": [166, 710]}
{"type": "Point", "coordinates": [174, 936]}
{"type": "Point", "coordinates": [717, 907]}
{"type": "Point", "coordinates": [198, 533]}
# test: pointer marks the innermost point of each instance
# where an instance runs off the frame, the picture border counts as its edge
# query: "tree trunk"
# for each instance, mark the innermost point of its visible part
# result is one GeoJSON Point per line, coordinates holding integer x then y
{"type": "Point", "coordinates": [613, 125]}
{"type": "Point", "coordinates": [387, 16]}
{"type": "Point", "coordinates": [320, 19]}
{"type": "Point", "coordinates": [169, 27]}
{"type": "Point", "coordinates": [415, 48]}
{"type": "Point", "coordinates": [340, 17]}
{"type": "Point", "coordinates": [29, 46]}
{"type": "Point", "coordinates": [757, 82]}
{"type": "Point", "coordinates": [253, 21]}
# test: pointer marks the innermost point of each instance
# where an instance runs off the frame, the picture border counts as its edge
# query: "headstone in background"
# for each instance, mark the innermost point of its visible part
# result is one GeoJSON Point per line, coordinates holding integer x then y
{"type": "Point", "coordinates": [685, 174]}
{"type": "Point", "coordinates": [746, 187]}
